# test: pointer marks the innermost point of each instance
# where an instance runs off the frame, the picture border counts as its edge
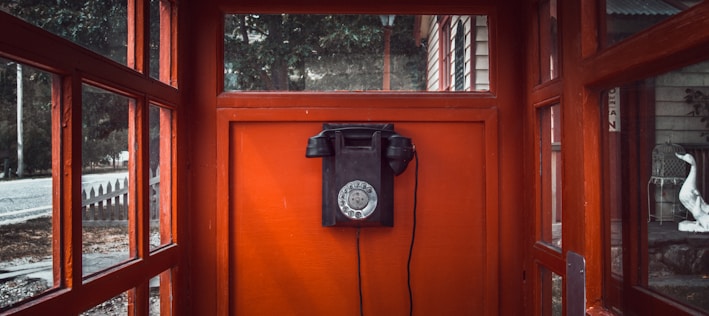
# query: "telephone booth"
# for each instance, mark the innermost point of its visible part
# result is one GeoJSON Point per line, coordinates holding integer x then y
{"type": "Point", "coordinates": [309, 157]}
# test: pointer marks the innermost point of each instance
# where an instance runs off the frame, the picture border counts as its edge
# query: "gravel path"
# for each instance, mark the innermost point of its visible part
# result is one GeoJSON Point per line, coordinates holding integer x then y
{"type": "Point", "coordinates": [25, 261]}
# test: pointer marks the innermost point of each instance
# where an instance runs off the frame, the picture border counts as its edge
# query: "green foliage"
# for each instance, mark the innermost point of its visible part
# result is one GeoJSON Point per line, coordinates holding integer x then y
{"type": "Point", "coordinates": [700, 107]}
{"type": "Point", "coordinates": [98, 25]}
{"type": "Point", "coordinates": [104, 125]}
{"type": "Point", "coordinates": [36, 118]}
{"type": "Point", "coordinates": [154, 131]}
{"type": "Point", "coordinates": [318, 53]}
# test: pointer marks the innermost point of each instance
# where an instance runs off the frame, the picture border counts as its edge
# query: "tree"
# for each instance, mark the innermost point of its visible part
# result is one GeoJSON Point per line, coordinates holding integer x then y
{"type": "Point", "coordinates": [36, 117]}
{"type": "Point", "coordinates": [116, 143]}
{"type": "Point", "coordinates": [104, 125]}
{"type": "Point", "coordinates": [700, 107]}
{"type": "Point", "coordinates": [318, 52]}
{"type": "Point", "coordinates": [99, 25]}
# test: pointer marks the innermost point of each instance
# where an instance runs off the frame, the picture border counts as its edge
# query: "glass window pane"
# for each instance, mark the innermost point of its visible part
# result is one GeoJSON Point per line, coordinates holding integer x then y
{"type": "Point", "coordinates": [286, 52]}
{"type": "Point", "coordinates": [96, 25]}
{"type": "Point", "coordinates": [480, 73]}
{"type": "Point", "coordinates": [161, 294]}
{"type": "Point", "coordinates": [105, 154]}
{"type": "Point", "coordinates": [548, 41]}
{"type": "Point", "coordinates": [160, 176]}
{"type": "Point", "coordinates": [155, 44]}
{"type": "Point", "coordinates": [659, 157]}
{"type": "Point", "coordinates": [117, 305]}
{"type": "Point", "coordinates": [551, 293]}
{"type": "Point", "coordinates": [26, 233]}
{"type": "Point", "coordinates": [161, 34]}
{"type": "Point", "coordinates": [627, 17]}
{"type": "Point", "coordinates": [613, 181]}
{"type": "Point", "coordinates": [550, 173]}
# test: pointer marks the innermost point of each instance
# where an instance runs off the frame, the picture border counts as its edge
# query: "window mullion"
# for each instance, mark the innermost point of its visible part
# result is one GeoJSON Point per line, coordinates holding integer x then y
{"type": "Point", "coordinates": [136, 37]}
{"type": "Point", "coordinates": [167, 42]}
{"type": "Point", "coordinates": [138, 165]}
{"type": "Point", "coordinates": [57, 167]}
{"type": "Point", "coordinates": [71, 144]}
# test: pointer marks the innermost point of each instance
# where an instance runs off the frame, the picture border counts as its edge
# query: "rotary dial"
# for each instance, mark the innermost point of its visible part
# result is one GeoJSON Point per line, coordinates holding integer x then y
{"type": "Point", "coordinates": [357, 199]}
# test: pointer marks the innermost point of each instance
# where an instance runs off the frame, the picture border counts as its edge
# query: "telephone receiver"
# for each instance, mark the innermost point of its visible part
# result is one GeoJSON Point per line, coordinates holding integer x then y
{"type": "Point", "coordinates": [399, 149]}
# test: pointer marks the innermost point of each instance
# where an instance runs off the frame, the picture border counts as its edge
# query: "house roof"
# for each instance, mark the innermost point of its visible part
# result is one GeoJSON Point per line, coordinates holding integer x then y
{"type": "Point", "coordinates": [640, 7]}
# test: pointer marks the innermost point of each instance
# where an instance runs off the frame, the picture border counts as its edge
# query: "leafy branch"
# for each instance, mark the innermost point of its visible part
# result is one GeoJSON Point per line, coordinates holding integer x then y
{"type": "Point", "coordinates": [700, 107]}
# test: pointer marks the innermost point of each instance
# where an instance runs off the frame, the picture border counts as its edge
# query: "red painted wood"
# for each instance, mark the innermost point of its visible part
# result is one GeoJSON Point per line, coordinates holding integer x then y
{"type": "Point", "coordinates": [57, 164]}
{"type": "Point", "coordinates": [284, 116]}
{"type": "Point", "coordinates": [47, 51]}
{"type": "Point", "coordinates": [136, 226]}
{"type": "Point", "coordinates": [305, 107]}
{"type": "Point", "coordinates": [73, 66]}
{"type": "Point", "coordinates": [166, 164]}
{"type": "Point", "coordinates": [71, 182]}
{"type": "Point", "coordinates": [285, 261]}
{"type": "Point", "coordinates": [676, 42]}
{"type": "Point", "coordinates": [200, 137]}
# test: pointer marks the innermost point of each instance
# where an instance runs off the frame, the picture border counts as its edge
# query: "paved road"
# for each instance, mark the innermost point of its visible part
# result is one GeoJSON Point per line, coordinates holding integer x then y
{"type": "Point", "coordinates": [17, 196]}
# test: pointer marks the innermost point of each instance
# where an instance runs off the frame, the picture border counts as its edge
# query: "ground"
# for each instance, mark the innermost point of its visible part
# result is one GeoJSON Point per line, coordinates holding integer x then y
{"type": "Point", "coordinates": [31, 242]}
{"type": "Point", "coordinates": [32, 239]}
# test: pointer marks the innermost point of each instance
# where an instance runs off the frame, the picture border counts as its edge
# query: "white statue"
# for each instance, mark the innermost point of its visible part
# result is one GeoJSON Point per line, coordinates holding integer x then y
{"type": "Point", "coordinates": [692, 200]}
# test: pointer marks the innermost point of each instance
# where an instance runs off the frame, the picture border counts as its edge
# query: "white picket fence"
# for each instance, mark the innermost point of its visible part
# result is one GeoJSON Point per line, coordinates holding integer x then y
{"type": "Point", "coordinates": [111, 203]}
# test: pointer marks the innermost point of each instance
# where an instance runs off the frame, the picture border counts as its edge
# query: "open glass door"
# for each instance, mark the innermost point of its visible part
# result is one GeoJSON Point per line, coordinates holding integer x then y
{"type": "Point", "coordinates": [656, 160]}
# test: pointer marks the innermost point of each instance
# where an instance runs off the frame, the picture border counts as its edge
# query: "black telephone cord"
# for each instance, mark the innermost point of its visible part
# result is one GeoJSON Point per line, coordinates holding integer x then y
{"type": "Point", "coordinates": [411, 248]}
{"type": "Point", "coordinates": [413, 235]}
{"type": "Point", "coordinates": [359, 275]}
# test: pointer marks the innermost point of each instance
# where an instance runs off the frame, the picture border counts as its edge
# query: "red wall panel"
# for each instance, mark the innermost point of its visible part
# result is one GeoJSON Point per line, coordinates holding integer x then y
{"type": "Point", "coordinates": [282, 261]}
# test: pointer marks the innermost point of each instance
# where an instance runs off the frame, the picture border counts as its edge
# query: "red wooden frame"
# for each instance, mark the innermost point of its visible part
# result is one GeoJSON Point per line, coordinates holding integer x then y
{"type": "Point", "coordinates": [586, 72]}
{"type": "Point", "coordinates": [613, 288]}
{"type": "Point", "coordinates": [72, 66]}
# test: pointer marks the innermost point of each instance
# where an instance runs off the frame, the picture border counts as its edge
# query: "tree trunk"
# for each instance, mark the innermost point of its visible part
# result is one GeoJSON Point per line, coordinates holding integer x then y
{"type": "Point", "coordinates": [279, 68]}
{"type": "Point", "coordinates": [20, 140]}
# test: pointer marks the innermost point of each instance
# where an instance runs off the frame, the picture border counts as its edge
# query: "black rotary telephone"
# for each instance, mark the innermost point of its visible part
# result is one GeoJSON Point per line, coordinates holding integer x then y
{"type": "Point", "coordinates": [358, 169]}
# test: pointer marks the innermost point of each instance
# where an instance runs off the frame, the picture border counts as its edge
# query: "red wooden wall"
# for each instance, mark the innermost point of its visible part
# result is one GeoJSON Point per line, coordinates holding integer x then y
{"type": "Point", "coordinates": [283, 261]}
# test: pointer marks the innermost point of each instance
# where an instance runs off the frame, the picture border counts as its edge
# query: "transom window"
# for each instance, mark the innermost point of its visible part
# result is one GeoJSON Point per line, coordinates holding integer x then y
{"type": "Point", "coordinates": [291, 52]}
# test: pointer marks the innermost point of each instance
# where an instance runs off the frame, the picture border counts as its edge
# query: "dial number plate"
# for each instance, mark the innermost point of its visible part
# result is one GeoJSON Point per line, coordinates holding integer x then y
{"type": "Point", "coordinates": [357, 199]}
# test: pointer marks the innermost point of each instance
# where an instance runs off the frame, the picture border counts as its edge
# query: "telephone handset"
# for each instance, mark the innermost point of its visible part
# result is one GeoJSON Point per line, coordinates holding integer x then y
{"type": "Point", "coordinates": [359, 165]}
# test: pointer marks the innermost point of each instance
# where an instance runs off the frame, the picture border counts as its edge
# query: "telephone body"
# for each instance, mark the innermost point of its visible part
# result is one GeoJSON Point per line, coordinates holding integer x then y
{"type": "Point", "coordinates": [358, 169]}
